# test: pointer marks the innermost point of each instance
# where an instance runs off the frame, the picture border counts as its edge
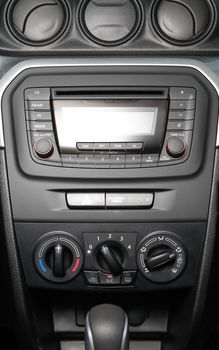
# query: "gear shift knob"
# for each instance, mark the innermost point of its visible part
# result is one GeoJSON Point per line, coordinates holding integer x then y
{"type": "Point", "coordinates": [106, 328]}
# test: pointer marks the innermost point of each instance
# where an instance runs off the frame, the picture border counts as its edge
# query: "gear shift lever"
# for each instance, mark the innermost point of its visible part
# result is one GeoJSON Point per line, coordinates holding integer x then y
{"type": "Point", "coordinates": [106, 328]}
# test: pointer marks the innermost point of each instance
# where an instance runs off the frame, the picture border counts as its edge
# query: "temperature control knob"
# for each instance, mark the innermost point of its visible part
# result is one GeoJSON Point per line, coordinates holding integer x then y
{"type": "Point", "coordinates": [43, 147]}
{"type": "Point", "coordinates": [161, 257]}
{"type": "Point", "coordinates": [58, 257]}
{"type": "Point", "coordinates": [176, 147]}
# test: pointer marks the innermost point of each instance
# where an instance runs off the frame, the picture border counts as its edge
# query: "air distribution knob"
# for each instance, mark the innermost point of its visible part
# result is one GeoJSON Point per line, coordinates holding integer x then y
{"type": "Point", "coordinates": [161, 257]}
{"type": "Point", "coordinates": [58, 257]}
{"type": "Point", "coordinates": [43, 147]}
{"type": "Point", "coordinates": [110, 259]}
{"type": "Point", "coordinates": [176, 147]}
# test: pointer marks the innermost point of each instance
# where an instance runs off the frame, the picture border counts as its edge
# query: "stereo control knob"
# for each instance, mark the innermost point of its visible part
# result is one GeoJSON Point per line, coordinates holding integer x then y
{"type": "Point", "coordinates": [110, 259]}
{"type": "Point", "coordinates": [176, 147]}
{"type": "Point", "coordinates": [43, 147]}
{"type": "Point", "coordinates": [161, 257]}
{"type": "Point", "coordinates": [58, 257]}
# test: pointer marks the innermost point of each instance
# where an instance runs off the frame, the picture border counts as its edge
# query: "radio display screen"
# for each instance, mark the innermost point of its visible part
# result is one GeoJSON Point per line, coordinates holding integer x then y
{"type": "Point", "coordinates": [104, 121]}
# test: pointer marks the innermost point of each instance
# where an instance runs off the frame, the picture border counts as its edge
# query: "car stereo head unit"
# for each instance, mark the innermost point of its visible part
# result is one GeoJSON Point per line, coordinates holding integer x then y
{"type": "Point", "coordinates": [110, 129]}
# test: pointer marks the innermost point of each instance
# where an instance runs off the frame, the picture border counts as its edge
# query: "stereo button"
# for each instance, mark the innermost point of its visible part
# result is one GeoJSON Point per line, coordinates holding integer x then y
{"type": "Point", "coordinates": [120, 146]}
{"type": "Point", "coordinates": [180, 125]}
{"type": "Point", "coordinates": [101, 146]}
{"type": "Point", "coordinates": [86, 161]}
{"type": "Point", "coordinates": [133, 161]}
{"type": "Point", "coordinates": [181, 93]}
{"type": "Point", "coordinates": [181, 115]}
{"type": "Point", "coordinates": [132, 146]}
{"type": "Point", "coordinates": [117, 161]}
{"type": "Point", "coordinates": [37, 105]}
{"type": "Point", "coordinates": [182, 105]}
{"type": "Point", "coordinates": [38, 116]}
{"type": "Point", "coordinates": [70, 160]}
{"type": "Point", "coordinates": [85, 146]}
{"type": "Point", "coordinates": [149, 160]}
{"type": "Point", "coordinates": [37, 94]}
{"type": "Point", "coordinates": [39, 126]}
{"type": "Point", "coordinates": [102, 161]}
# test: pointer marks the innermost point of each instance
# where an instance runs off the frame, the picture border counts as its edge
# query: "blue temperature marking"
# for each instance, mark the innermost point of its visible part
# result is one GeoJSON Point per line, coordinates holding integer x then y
{"type": "Point", "coordinates": [42, 266]}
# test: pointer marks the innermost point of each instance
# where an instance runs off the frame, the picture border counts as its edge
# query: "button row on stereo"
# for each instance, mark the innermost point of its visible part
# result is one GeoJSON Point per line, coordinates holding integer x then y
{"type": "Point", "coordinates": [101, 278]}
{"type": "Point", "coordinates": [180, 126]}
{"type": "Point", "coordinates": [113, 146]}
{"type": "Point", "coordinates": [39, 125]}
{"type": "Point", "coordinates": [110, 161]}
{"type": "Point", "coordinates": [182, 103]}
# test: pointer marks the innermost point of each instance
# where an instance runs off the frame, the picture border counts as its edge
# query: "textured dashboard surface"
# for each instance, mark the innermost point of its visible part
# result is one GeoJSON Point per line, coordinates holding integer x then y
{"type": "Point", "coordinates": [71, 39]}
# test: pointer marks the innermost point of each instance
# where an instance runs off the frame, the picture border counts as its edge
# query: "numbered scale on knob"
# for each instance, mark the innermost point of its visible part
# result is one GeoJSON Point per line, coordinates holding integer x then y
{"type": "Point", "coordinates": [161, 257]}
{"type": "Point", "coordinates": [58, 257]}
{"type": "Point", "coordinates": [93, 240]}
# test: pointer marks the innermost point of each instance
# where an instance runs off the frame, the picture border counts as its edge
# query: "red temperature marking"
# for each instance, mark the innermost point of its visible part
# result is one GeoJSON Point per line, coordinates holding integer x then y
{"type": "Point", "coordinates": [76, 265]}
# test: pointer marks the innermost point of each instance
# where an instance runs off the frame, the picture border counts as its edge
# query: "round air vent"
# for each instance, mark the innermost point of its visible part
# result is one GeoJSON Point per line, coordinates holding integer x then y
{"type": "Point", "coordinates": [37, 22]}
{"type": "Point", "coordinates": [183, 22]}
{"type": "Point", "coordinates": [110, 22]}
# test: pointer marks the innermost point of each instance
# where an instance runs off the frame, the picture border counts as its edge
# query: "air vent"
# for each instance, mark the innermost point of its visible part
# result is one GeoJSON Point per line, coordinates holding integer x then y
{"type": "Point", "coordinates": [183, 22]}
{"type": "Point", "coordinates": [37, 22]}
{"type": "Point", "coordinates": [110, 22]}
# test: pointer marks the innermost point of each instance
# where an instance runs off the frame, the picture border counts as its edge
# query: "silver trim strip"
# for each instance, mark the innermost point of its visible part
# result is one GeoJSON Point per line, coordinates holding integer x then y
{"type": "Point", "coordinates": [104, 62]}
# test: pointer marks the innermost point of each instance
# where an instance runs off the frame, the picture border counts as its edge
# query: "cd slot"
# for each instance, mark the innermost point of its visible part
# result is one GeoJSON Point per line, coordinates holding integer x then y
{"type": "Point", "coordinates": [101, 93]}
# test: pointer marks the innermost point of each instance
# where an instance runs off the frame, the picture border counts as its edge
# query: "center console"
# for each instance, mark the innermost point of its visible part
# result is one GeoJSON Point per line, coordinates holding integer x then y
{"type": "Point", "coordinates": [110, 174]}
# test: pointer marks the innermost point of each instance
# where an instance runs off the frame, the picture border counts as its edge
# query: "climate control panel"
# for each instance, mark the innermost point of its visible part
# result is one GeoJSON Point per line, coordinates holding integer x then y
{"type": "Point", "coordinates": [110, 259]}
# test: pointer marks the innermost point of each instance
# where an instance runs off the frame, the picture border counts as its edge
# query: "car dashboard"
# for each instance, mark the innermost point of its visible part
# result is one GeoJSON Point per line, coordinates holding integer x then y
{"type": "Point", "coordinates": [109, 174]}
